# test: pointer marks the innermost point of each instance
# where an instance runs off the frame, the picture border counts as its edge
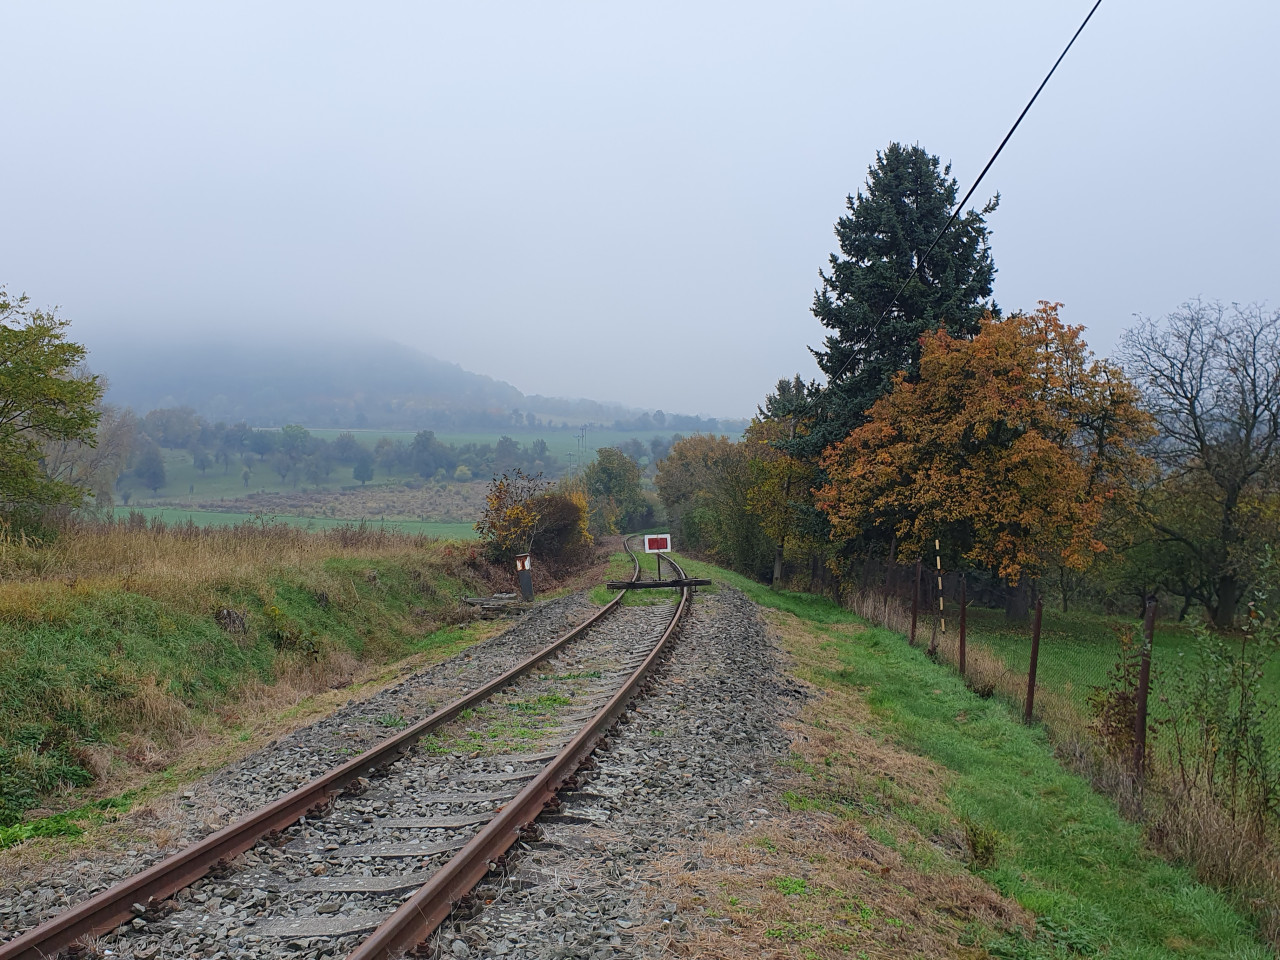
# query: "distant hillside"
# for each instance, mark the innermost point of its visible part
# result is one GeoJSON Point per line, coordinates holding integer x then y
{"type": "Point", "coordinates": [329, 384]}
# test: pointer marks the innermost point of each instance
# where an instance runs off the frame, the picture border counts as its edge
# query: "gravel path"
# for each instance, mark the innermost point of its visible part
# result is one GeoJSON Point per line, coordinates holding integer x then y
{"type": "Point", "coordinates": [42, 890]}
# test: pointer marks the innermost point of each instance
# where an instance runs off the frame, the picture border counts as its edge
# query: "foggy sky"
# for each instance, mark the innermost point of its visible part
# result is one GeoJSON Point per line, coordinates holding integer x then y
{"type": "Point", "coordinates": [624, 202]}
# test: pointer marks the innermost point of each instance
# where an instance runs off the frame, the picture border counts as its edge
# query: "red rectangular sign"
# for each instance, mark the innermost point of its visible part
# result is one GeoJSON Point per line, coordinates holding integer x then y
{"type": "Point", "coordinates": [657, 542]}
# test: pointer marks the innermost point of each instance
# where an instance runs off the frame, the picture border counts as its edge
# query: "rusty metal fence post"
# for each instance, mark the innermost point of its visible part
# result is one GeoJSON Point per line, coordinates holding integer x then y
{"type": "Point", "coordinates": [915, 604]}
{"type": "Point", "coordinates": [1144, 688]}
{"type": "Point", "coordinates": [1035, 659]}
{"type": "Point", "coordinates": [962, 623]}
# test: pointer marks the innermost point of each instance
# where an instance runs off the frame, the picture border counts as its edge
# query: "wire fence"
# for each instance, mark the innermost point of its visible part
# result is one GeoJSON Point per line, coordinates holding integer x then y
{"type": "Point", "coordinates": [1068, 670]}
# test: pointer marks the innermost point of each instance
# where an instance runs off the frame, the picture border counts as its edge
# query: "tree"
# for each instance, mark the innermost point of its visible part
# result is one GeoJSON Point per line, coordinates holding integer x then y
{"type": "Point", "coordinates": [909, 197]}
{"type": "Point", "coordinates": [44, 398]}
{"type": "Point", "coordinates": [362, 470]}
{"type": "Point", "coordinates": [94, 465]}
{"type": "Point", "coordinates": [200, 459]}
{"type": "Point", "coordinates": [782, 493]}
{"type": "Point", "coordinates": [262, 442]}
{"type": "Point", "coordinates": [612, 484]}
{"type": "Point", "coordinates": [704, 483]}
{"type": "Point", "coordinates": [1211, 378]}
{"type": "Point", "coordinates": [510, 521]}
{"type": "Point", "coordinates": [149, 468]}
{"type": "Point", "coordinates": [1012, 446]}
{"type": "Point", "coordinates": [346, 448]}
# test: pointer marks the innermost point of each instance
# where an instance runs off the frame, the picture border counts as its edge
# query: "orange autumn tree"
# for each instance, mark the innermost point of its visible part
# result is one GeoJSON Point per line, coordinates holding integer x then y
{"type": "Point", "coordinates": [1017, 446]}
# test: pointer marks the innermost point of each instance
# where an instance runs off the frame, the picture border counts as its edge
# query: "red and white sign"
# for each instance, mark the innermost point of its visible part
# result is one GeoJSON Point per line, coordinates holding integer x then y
{"type": "Point", "coordinates": [657, 542]}
{"type": "Point", "coordinates": [523, 562]}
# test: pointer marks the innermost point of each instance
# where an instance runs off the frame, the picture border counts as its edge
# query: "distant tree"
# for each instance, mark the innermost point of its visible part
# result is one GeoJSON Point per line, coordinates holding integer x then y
{"type": "Point", "coordinates": [149, 468]}
{"type": "Point", "coordinates": [506, 454]}
{"type": "Point", "coordinates": [704, 483]}
{"type": "Point", "coordinates": [462, 474]}
{"type": "Point", "coordinates": [1012, 446]}
{"type": "Point", "coordinates": [363, 468]}
{"type": "Point", "coordinates": [200, 459]}
{"type": "Point", "coordinates": [245, 474]}
{"type": "Point", "coordinates": [427, 454]}
{"type": "Point", "coordinates": [538, 449]}
{"type": "Point", "coordinates": [283, 465]}
{"type": "Point", "coordinates": [612, 484]}
{"type": "Point", "coordinates": [96, 465]}
{"type": "Point", "coordinates": [389, 454]}
{"type": "Point", "coordinates": [262, 442]}
{"type": "Point", "coordinates": [909, 197]}
{"type": "Point", "coordinates": [346, 448]}
{"type": "Point", "coordinates": [637, 450]}
{"type": "Point", "coordinates": [173, 427]}
{"type": "Point", "coordinates": [1211, 377]}
{"type": "Point", "coordinates": [295, 441]}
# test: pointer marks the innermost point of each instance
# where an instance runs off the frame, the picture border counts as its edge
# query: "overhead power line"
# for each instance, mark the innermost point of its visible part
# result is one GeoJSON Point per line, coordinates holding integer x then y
{"type": "Point", "coordinates": [960, 206]}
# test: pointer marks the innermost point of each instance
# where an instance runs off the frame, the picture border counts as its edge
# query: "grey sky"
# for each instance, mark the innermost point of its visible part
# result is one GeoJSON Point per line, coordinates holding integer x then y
{"type": "Point", "coordinates": [626, 203]}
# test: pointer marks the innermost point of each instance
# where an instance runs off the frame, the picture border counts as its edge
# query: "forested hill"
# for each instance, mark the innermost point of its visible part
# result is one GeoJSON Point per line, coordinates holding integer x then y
{"type": "Point", "coordinates": [331, 384]}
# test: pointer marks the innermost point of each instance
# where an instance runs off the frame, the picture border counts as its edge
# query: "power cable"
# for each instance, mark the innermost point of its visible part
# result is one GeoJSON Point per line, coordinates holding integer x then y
{"type": "Point", "coordinates": [960, 206]}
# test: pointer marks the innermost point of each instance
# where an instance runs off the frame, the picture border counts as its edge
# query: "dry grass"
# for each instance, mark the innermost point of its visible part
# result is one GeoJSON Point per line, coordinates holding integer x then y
{"type": "Point", "coordinates": [182, 561]}
{"type": "Point", "coordinates": [813, 881]}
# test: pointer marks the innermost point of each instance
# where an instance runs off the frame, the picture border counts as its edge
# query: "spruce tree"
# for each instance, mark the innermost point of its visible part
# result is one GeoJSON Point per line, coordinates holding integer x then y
{"type": "Point", "coordinates": [909, 197]}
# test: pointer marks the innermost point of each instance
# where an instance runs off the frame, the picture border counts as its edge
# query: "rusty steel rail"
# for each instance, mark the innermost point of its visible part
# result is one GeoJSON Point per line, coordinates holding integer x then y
{"type": "Point", "coordinates": [113, 906]}
{"type": "Point", "coordinates": [418, 917]}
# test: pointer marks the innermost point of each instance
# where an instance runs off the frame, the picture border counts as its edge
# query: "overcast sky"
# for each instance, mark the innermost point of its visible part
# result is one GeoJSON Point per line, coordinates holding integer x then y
{"type": "Point", "coordinates": [625, 202]}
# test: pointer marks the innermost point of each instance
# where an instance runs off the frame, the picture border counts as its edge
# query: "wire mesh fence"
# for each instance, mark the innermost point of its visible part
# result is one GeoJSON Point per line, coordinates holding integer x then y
{"type": "Point", "coordinates": [1080, 656]}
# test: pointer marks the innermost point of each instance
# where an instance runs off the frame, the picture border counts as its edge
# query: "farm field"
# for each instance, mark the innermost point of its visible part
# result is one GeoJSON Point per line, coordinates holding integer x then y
{"type": "Point", "coordinates": [208, 518]}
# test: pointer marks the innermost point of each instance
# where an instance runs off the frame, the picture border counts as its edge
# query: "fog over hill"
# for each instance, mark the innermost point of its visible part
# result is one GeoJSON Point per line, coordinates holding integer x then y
{"type": "Point", "coordinates": [325, 383]}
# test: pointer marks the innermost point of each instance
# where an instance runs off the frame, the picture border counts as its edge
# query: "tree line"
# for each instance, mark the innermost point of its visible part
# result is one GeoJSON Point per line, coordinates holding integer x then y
{"type": "Point", "coordinates": [1001, 437]}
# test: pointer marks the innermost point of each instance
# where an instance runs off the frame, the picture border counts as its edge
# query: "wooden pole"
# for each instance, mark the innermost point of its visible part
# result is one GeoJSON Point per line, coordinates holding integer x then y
{"type": "Point", "coordinates": [962, 623]}
{"type": "Point", "coordinates": [915, 605]}
{"type": "Point", "coordinates": [1035, 658]}
{"type": "Point", "coordinates": [1144, 688]}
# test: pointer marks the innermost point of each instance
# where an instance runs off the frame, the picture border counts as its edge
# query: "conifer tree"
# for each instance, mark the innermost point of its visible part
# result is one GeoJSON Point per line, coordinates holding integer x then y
{"type": "Point", "coordinates": [908, 198]}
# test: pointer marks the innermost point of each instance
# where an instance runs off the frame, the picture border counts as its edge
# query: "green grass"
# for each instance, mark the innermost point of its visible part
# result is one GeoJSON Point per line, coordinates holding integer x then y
{"type": "Point", "coordinates": [1058, 848]}
{"type": "Point", "coordinates": [209, 518]}
{"type": "Point", "coordinates": [85, 668]}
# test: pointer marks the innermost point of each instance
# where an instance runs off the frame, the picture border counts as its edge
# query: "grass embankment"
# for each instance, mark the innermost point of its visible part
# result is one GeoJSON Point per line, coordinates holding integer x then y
{"type": "Point", "coordinates": [908, 786]}
{"type": "Point", "coordinates": [126, 650]}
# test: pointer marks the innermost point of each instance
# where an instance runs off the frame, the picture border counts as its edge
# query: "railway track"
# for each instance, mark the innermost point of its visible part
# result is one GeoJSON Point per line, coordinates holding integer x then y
{"type": "Point", "coordinates": [366, 860]}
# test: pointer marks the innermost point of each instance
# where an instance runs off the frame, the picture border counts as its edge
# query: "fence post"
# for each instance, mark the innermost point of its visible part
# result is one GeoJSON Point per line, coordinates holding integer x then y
{"type": "Point", "coordinates": [915, 605]}
{"type": "Point", "coordinates": [1144, 688]}
{"type": "Point", "coordinates": [1035, 658]}
{"type": "Point", "coordinates": [962, 623]}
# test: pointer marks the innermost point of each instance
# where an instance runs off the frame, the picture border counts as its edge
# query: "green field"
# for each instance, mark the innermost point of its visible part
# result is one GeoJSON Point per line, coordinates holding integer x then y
{"type": "Point", "coordinates": [208, 518]}
{"type": "Point", "coordinates": [560, 443]}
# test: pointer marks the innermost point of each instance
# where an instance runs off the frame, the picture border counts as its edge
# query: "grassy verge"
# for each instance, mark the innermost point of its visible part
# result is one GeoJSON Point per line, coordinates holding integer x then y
{"type": "Point", "coordinates": [900, 756]}
{"type": "Point", "coordinates": [124, 651]}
